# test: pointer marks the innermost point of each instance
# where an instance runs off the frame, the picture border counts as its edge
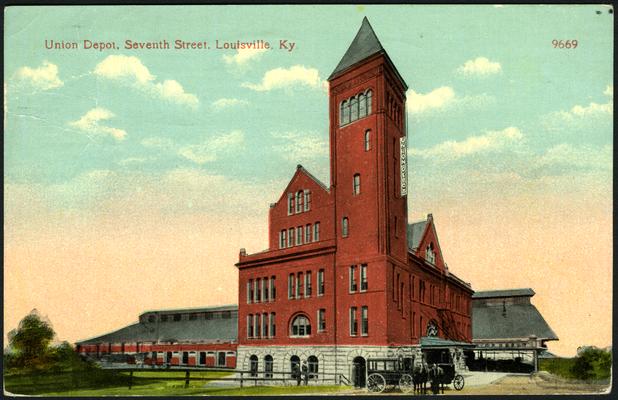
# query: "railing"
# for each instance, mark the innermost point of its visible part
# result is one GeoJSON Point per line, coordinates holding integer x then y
{"type": "Point", "coordinates": [242, 377]}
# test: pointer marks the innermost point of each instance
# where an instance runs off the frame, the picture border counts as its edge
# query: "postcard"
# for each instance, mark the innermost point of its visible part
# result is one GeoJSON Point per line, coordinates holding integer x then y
{"type": "Point", "coordinates": [308, 199]}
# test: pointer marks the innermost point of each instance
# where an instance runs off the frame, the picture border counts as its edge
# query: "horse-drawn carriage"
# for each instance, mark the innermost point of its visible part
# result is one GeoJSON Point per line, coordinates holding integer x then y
{"type": "Point", "coordinates": [382, 372]}
{"type": "Point", "coordinates": [404, 373]}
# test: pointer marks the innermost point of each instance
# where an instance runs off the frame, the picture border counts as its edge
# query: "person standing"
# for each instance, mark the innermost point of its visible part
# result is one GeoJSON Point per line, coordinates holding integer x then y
{"type": "Point", "coordinates": [305, 371]}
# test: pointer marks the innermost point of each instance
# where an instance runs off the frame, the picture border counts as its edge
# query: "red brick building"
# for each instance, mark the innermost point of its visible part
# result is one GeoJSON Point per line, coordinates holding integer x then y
{"type": "Point", "coordinates": [178, 337]}
{"type": "Point", "coordinates": [345, 276]}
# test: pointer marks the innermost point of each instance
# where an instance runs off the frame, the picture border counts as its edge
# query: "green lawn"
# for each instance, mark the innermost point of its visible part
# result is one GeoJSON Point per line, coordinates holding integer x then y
{"type": "Point", "coordinates": [145, 383]}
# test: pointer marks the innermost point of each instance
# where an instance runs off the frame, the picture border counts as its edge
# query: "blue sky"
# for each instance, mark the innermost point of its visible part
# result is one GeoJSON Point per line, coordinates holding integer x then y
{"type": "Point", "coordinates": [499, 121]}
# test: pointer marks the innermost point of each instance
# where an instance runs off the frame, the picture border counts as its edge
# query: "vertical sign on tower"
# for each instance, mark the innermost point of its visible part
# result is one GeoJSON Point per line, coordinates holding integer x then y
{"type": "Point", "coordinates": [403, 163]}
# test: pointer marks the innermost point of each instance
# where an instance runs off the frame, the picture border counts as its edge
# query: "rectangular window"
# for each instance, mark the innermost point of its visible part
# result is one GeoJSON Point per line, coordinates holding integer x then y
{"type": "Point", "coordinates": [249, 326]}
{"type": "Point", "coordinates": [308, 233]}
{"type": "Point", "coordinates": [291, 237]}
{"type": "Point", "coordinates": [249, 291]}
{"type": "Point", "coordinates": [299, 285]}
{"type": "Point", "coordinates": [291, 286]}
{"type": "Point", "coordinates": [356, 184]}
{"type": "Point", "coordinates": [307, 200]}
{"type": "Point", "coordinates": [413, 324]}
{"type": "Point", "coordinates": [353, 278]}
{"type": "Point", "coordinates": [273, 293]}
{"type": "Point", "coordinates": [265, 289]}
{"type": "Point", "coordinates": [308, 284]}
{"type": "Point", "coordinates": [256, 325]}
{"type": "Point", "coordinates": [258, 290]}
{"type": "Point", "coordinates": [316, 232]}
{"type": "Point", "coordinates": [353, 322]}
{"type": "Point", "coordinates": [320, 282]}
{"type": "Point", "coordinates": [283, 243]}
{"type": "Point", "coordinates": [321, 320]}
{"type": "Point", "coordinates": [299, 235]}
{"type": "Point", "coordinates": [272, 325]}
{"type": "Point", "coordinates": [345, 227]}
{"type": "Point", "coordinates": [299, 201]}
{"type": "Point", "coordinates": [290, 203]}
{"type": "Point", "coordinates": [363, 277]}
{"type": "Point", "coordinates": [364, 321]}
{"type": "Point", "coordinates": [264, 325]}
{"type": "Point", "coordinates": [412, 288]}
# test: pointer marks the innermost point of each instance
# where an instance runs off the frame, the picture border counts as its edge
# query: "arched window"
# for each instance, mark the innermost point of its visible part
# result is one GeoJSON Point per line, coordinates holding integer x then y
{"type": "Point", "coordinates": [268, 366]}
{"type": "Point", "coordinates": [369, 95]}
{"type": "Point", "coordinates": [300, 326]}
{"type": "Point", "coordinates": [300, 197]}
{"type": "Point", "coordinates": [313, 367]}
{"type": "Point", "coordinates": [344, 227]}
{"type": "Point", "coordinates": [253, 364]}
{"type": "Point", "coordinates": [294, 366]}
{"type": "Point", "coordinates": [353, 109]}
{"type": "Point", "coordinates": [356, 184]}
{"type": "Point", "coordinates": [362, 105]}
{"type": "Point", "coordinates": [368, 140]}
{"type": "Point", "coordinates": [430, 255]}
{"type": "Point", "coordinates": [345, 112]}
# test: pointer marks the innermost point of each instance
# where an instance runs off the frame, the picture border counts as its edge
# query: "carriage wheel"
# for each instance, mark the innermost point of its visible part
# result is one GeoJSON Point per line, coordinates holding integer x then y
{"type": "Point", "coordinates": [376, 383]}
{"type": "Point", "coordinates": [458, 382]}
{"type": "Point", "coordinates": [406, 383]}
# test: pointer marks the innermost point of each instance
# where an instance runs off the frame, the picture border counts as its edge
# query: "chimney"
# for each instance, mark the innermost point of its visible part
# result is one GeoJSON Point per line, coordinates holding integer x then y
{"type": "Point", "coordinates": [243, 252]}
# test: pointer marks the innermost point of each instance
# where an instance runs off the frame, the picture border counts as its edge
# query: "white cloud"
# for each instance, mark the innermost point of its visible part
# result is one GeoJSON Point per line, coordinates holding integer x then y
{"type": "Point", "coordinates": [130, 69]}
{"type": "Point", "coordinates": [593, 109]}
{"type": "Point", "coordinates": [489, 142]}
{"type": "Point", "coordinates": [442, 99]}
{"type": "Point", "coordinates": [284, 78]}
{"type": "Point", "coordinates": [480, 66]}
{"type": "Point", "coordinates": [243, 56]}
{"type": "Point", "coordinates": [568, 156]}
{"type": "Point", "coordinates": [210, 149]}
{"type": "Point", "coordinates": [417, 103]}
{"type": "Point", "coordinates": [297, 146]}
{"type": "Point", "coordinates": [89, 123]}
{"type": "Point", "coordinates": [44, 77]}
{"type": "Point", "coordinates": [231, 102]}
{"type": "Point", "coordinates": [609, 91]}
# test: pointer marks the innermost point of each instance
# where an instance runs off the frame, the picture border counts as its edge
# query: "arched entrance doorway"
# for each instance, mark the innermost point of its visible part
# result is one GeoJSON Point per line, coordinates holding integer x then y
{"type": "Point", "coordinates": [359, 371]}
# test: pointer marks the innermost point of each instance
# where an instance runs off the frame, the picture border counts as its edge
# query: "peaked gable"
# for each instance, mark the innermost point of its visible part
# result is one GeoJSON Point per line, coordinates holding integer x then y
{"type": "Point", "coordinates": [421, 236]}
{"type": "Point", "coordinates": [302, 176]}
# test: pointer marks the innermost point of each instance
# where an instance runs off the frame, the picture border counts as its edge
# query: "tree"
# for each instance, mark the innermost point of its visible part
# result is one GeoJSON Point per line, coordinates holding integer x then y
{"type": "Point", "coordinates": [30, 341]}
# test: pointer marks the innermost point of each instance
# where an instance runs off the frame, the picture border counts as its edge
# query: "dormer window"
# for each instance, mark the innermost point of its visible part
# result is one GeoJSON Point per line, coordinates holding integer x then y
{"type": "Point", "coordinates": [430, 255]}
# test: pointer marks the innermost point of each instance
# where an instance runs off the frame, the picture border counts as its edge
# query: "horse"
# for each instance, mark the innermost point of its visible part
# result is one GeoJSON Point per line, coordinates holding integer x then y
{"type": "Point", "coordinates": [419, 376]}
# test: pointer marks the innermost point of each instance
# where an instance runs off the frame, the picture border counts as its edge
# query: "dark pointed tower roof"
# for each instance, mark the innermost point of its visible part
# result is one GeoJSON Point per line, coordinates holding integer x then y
{"type": "Point", "coordinates": [364, 45]}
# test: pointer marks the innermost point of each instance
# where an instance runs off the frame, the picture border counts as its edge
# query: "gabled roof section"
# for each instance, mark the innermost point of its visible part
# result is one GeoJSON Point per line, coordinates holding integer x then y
{"type": "Point", "coordinates": [301, 170]}
{"type": "Point", "coordinates": [200, 330]}
{"type": "Point", "coordinates": [490, 294]}
{"type": "Point", "coordinates": [416, 232]}
{"type": "Point", "coordinates": [509, 321]}
{"type": "Point", "coordinates": [364, 45]}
